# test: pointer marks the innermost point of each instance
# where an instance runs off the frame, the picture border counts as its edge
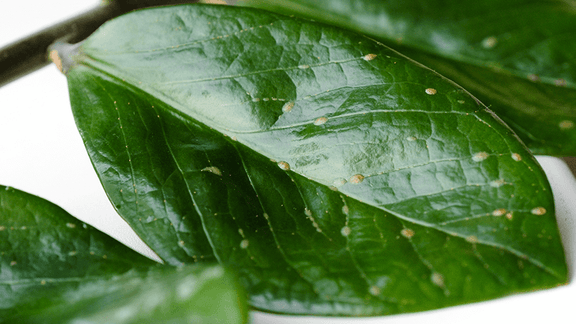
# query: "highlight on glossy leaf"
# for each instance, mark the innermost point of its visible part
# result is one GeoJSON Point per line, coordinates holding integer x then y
{"type": "Point", "coordinates": [515, 56]}
{"type": "Point", "coordinates": [56, 269]}
{"type": "Point", "coordinates": [334, 175]}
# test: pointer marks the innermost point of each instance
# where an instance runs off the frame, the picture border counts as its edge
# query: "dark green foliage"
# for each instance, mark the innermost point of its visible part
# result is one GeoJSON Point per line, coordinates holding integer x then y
{"type": "Point", "coordinates": [335, 176]}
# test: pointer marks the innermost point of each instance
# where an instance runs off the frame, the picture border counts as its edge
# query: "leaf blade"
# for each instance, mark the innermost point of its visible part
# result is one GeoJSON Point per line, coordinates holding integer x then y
{"type": "Point", "coordinates": [517, 55]}
{"type": "Point", "coordinates": [261, 172]}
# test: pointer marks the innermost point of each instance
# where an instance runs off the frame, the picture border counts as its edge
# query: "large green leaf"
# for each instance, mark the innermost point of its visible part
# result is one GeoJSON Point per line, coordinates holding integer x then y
{"type": "Point", "coordinates": [333, 174]}
{"type": "Point", "coordinates": [518, 56]}
{"type": "Point", "coordinates": [56, 269]}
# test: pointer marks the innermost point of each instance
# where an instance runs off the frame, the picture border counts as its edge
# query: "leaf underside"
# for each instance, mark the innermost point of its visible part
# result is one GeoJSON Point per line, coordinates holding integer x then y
{"type": "Point", "coordinates": [515, 56]}
{"type": "Point", "coordinates": [334, 175]}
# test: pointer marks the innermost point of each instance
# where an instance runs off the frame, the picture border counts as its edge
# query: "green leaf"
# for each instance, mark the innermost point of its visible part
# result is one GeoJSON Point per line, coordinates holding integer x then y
{"type": "Point", "coordinates": [333, 174]}
{"type": "Point", "coordinates": [542, 115]}
{"type": "Point", "coordinates": [517, 56]}
{"type": "Point", "coordinates": [45, 252]}
{"type": "Point", "coordinates": [192, 294]}
{"type": "Point", "coordinates": [56, 269]}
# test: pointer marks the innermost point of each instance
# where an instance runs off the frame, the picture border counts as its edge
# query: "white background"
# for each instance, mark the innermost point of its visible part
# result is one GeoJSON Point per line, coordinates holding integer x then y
{"type": "Point", "coordinates": [41, 152]}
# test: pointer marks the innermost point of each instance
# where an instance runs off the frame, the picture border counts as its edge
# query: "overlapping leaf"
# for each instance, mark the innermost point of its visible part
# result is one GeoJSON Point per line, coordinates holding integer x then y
{"type": "Point", "coordinates": [516, 56]}
{"type": "Point", "coordinates": [56, 269]}
{"type": "Point", "coordinates": [335, 175]}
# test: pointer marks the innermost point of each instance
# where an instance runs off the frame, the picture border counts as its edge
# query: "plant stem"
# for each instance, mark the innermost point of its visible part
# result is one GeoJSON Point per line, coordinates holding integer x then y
{"type": "Point", "coordinates": [30, 54]}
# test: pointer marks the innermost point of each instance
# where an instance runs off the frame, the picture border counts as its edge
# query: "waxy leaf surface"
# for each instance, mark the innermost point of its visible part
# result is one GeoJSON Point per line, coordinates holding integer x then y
{"type": "Point", "coordinates": [45, 253]}
{"type": "Point", "coordinates": [163, 294]}
{"type": "Point", "coordinates": [517, 56]}
{"type": "Point", "coordinates": [333, 174]}
{"type": "Point", "coordinates": [56, 269]}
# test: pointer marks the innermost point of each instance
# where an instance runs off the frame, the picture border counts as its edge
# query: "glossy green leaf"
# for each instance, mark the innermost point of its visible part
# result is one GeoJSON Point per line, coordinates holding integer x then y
{"type": "Point", "coordinates": [542, 115]}
{"type": "Point", "coordinates": [192, 294]}
{"type": "Point", "coordinates": [56, 269]}
{"type": "Point", "coordinates": [518, 56]}
{"type": "Point", "coordinates": [45, 252]}
{"type": "Point", "coordinates": [333, 174]}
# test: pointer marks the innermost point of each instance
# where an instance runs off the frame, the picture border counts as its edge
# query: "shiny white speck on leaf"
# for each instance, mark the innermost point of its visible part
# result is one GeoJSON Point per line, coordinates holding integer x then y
{"type": "Point", "coordinates": [538, 211]}
{"type": "Point", "coordinates": [374, 291]}
{"type": "Point", "coordinates": [356, 179]}
{"type": "Point", "coordinates": [212, 169]}
{"type": "Point", "coordinates": [70, 225]}
{"type": "Point", "coordinates": [489, 42]}
{"type": "Point", "coordinates": [431, 91]}
{"type": "Point", "coordinates": [407, 233]}
{"type": "Point", "coordinates": [244, 244]}
{"type": "Point", "coordinates": [472, 239]}
{"type": "Point", "coordinates": [480, 156]}
{"type": "Point", "coordinates": [516, 157]}
{"type": "Point", "coordinates": [369, 57]}
{"type": "Point", "coordinates": [499, 212]}
{"type": "Point", "coordinates": [437, 279]}
{"type": "Point", "coordinates": [345, 210]}
{"type": "Point", "coordinates": [320, 121]}
{"type": "Point", "coordinates": [346, 231]}
{"type": "Point", "coordinates": [566, 124]}
{"type": "Point", "coordinates": [284, 165]}
{"type": "Point", "coordinates": [288, 106]}
{"type": "Point", "coordinates": [497, 183]}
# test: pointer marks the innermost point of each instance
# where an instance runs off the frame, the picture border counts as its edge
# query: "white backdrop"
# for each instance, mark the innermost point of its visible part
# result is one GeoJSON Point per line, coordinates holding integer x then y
{"type": "Point", "coordinates": [41, 152]}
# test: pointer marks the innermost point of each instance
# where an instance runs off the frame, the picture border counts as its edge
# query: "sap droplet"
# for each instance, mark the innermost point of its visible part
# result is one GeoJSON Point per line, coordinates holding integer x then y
{"type": "Point", "coordinates": [369, 57]}
{"type": "Point", "coordinates": [489, 42]}
{"type": "Point", "coordinates": [516, 157]}
{"type": "Point", "coordinates": [244, 244]}
{"type": "Point", "coordinates": [70, 225]}
{"type": "Point", "coordinates": [431, 91]}
{"type": "Point", "coordinates": [533, 77]}
{"type": "Point", "coordinates": [212, 169]}
{"type": "Point", "coordinates": [499, 212]}
{"type": "Point", "coordinates": [437, 279]}
{"type": "Point", "coordinates": [407, 233]}
{"type": "Point", "coordinates": [566, 124]}
{"type": "Point", "coordinates": [320, 121]}
{"type": "Point", "coordinates": [288, 106]}
{"type": "Point", "coordinates": [480, 156]}
{"type": "Point", "coordinates": [497, 183]}
{"type": "Point", "coordinates": [346, 231]}
{"type": "Point", "coordinates": [538, 211]}
{"type": "Point", "coordinates": [472, 239]}
{"type": "Point", "coordinates": [560, 82]}
{"type": "Point", "coordinates": [374, 291]}
{"type": "Point", "coordinates": [284, 165]}
{"type": "Point", "coordinates": [356, 179]}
